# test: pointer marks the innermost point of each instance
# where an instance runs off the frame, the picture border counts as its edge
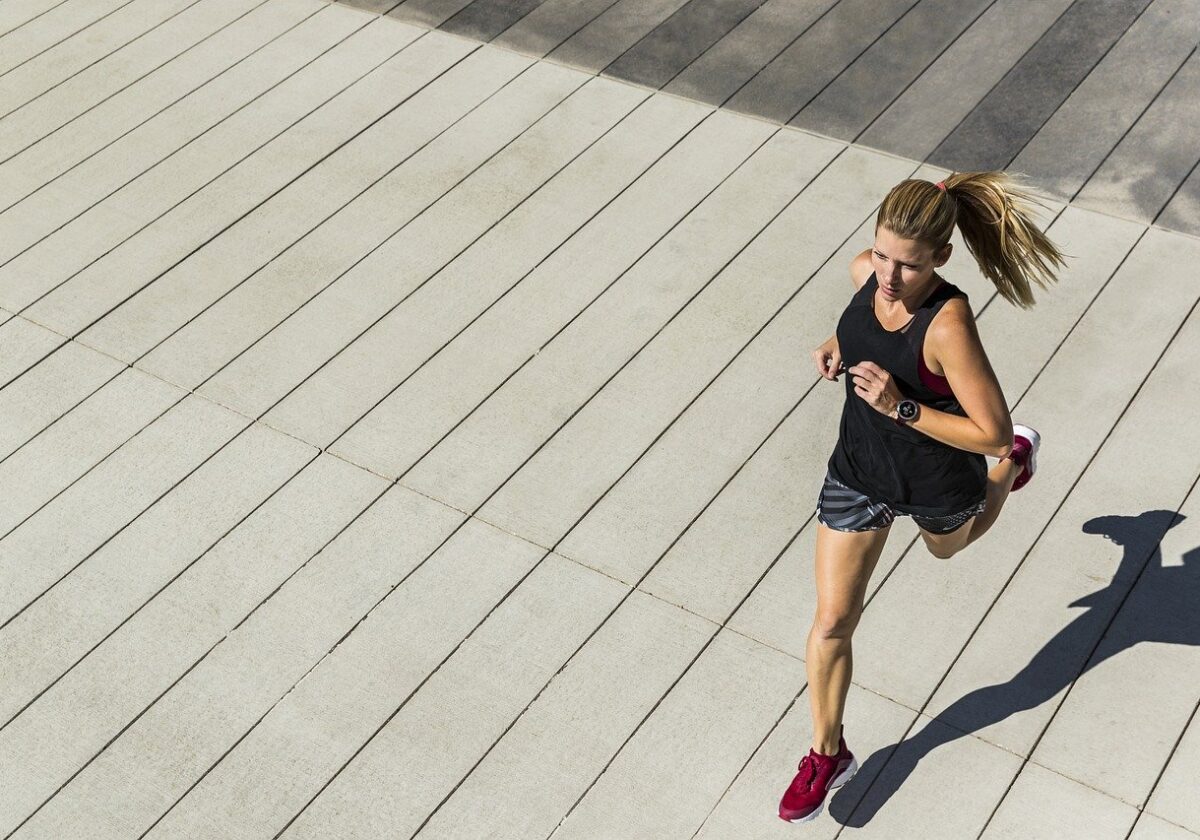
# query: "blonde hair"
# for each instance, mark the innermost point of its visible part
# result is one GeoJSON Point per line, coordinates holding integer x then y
{"type": "Point", "coordinates": [994, 214]}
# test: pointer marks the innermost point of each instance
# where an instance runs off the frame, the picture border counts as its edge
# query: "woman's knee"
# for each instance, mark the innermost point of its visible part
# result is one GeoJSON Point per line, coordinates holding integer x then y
{"type": "Point", "coordinates": [836, 622]}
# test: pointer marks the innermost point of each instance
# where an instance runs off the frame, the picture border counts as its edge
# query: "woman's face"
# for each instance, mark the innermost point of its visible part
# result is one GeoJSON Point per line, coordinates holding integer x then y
{"type": "Point", "coordinates": [903, 266]}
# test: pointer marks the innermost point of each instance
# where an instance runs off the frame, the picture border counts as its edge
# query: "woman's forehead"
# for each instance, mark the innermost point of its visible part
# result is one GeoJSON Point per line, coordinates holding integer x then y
{"type": "Point", "coordinates": [897, 248]}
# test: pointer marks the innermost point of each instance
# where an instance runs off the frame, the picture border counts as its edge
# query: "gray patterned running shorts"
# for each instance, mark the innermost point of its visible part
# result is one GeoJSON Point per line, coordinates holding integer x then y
{"type": "Point", "coordinates": [844, 509]}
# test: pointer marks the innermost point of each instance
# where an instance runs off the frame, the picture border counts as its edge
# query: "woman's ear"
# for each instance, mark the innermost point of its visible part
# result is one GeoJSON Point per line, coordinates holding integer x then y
{"type": "Point", "coordinates": [942, 255]}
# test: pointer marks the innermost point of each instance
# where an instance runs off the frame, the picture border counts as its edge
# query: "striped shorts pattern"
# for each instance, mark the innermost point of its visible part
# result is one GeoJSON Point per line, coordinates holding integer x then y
{"type": "Point", "coordinates": [844, 509]}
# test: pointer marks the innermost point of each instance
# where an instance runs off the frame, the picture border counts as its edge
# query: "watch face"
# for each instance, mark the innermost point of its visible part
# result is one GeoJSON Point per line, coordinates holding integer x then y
{"type": "Point", "coordinates": [907, 409]}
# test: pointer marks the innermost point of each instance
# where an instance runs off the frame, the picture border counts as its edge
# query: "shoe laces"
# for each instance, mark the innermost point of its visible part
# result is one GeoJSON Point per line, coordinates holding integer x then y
{"type": "Point", "coordinates": [807, 779]}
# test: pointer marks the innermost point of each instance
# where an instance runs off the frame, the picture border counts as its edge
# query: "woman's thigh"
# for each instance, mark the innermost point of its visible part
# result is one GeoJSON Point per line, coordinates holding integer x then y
{"type": "Point", "coordinates": [844, 563]}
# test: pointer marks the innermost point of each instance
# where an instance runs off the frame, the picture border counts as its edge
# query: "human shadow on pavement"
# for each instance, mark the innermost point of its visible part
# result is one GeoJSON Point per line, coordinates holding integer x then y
{"type": "Point", "coordinates": [1161, 609]}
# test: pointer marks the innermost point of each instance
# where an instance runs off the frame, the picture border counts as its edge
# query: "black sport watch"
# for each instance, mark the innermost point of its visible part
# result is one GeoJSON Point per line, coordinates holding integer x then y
{"type": "Point", "coordinates": [907, 411]}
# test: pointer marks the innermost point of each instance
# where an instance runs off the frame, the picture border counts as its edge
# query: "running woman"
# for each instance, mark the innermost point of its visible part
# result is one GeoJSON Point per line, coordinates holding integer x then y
{"type": "Point", "coordinates": [923, 409]}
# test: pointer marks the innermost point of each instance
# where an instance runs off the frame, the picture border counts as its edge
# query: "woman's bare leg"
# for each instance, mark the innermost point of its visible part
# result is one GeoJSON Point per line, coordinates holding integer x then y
{"type": "Point", "coordinates": [999, 484]}
{"type": "Point", "coordinates": [844, 562]}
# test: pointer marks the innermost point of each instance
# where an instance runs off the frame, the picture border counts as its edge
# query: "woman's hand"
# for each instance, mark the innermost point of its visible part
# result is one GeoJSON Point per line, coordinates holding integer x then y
{"type": "Point", "coordinates": [876, 386]}
{"type": "Point", "coordinates": [828, 358]}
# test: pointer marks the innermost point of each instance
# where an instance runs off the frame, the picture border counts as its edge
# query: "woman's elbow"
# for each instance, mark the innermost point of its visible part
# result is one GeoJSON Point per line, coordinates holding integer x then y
{"type": "Point", "coordinates": [1002, 450]}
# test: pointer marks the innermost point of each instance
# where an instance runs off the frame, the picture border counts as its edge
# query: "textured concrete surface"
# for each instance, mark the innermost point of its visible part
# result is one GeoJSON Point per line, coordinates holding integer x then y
{"type": "Point", "coordinates": [394, 423]}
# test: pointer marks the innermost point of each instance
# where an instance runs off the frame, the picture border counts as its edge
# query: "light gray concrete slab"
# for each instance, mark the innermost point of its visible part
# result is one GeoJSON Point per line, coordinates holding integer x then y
{"type": "Point", "coordinates": [519, 417]}
{"type": "Point", "coordinates": [676, 766]}
{"type": "Point", "coordinates": [870, 83]}
{"type": "Point", "coordinates": [1142, 683]}
{"type": "Point", "coordinates": [553, 753]}
{"type": "Point", "coordinates": [1013, 111]}
{"type": "Point", "coordinates": [49, 390]}
{"type": "Point", "coordinates": [106, 567]}
{"type": "Point", "coordinates": [781, 608]}
{"type": "Point", "coordinates": [730, 63]}
{"type": "Point", "coordinates": [612, 32]}
{"type": "Point", "coordinates": [236, 321]}
{"type": "Point", "coordinates": [23, 83]}
{"type": "Point", "coordinates": [946, 92]}
{"type": "Point", "coordinates": [248, 672]}
{"type": "Point", "coordinates": [679, 40]}
{"type": "Point", "coordinates": [750, 806]}
{"type": "Point", "coordinates": [551, 23]}
{"type": "Point", "coordinates": [405, 425]}
{"type": "Point", "coordinates": [15, 15]}
{"type": "Point", "coordinates": [50, 463]}
{"type": "Point", "coordinates": [24, 344]}
{"type": "Point", "coordinates": [437, 736]}
{"type": "Point", "coordinates": [55, 25]}
{"type": "Point", "coordinates": [1150, 827]}
{"type": "Point", "coordinates": [131, 208]}
{"type": "Point", "coordinates": [274, 366]}
{"type": "Point", "coordinates": [560, 483]}
{"type": "Point", "coordinates": [258, 239]}
{"type": "Point", "coordinates": [1174, 797]}
{"type": "Point", "coordinates": [808, 64]}
{"type": "Point", "coordinates": [127, 109]}
{"type": "Point", "coordinates": [46, 746]}
{"type": "Point", "coordinates": [116, 71]}
{"type": "Point", "coordinates": [369, 369]}
{"type": "Point", "coordinates": [194, 220]}
{"type": "Point", "coordinates": [374, 7]}
{"type": "Point", "coordinates": [1079, 136]}
{"type": "Point", "coordinates": [1034, 642]}
{"type": "Point", "coordinates": [4, 315]}
{"type": "Point", "coordinates": [1042, 803]}
{"type": "Point", "coordinates": [431, 13]}
{"type": "Point", "coordinates": [1142, 173]}
{"type": "Point", "coordinates": [51, 199]}
{"type": "Point", "coordinates": [305, 740]}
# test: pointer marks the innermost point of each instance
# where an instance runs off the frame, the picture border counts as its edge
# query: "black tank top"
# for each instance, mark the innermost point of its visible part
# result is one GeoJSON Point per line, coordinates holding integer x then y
{"type": "Point", "coordinates": [874, 455]}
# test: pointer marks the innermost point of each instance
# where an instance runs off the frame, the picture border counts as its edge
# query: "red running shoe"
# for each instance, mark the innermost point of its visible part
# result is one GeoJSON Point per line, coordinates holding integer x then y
{"type": "Point", "coordinates": [1025, 446]}
{"type": "Point", "coordinates": [819, 774]}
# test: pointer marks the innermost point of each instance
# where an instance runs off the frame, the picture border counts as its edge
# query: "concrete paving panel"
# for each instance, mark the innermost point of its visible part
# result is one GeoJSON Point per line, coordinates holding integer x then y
{"type": "Point", "coordinates": [717, 714]}
{"type": "Point", "coordinates": [49, 390]}
{"type": "Point", "coordinates": [717, 74]}
{"type": "Point", "coordinates": [1142, 683]}
{"type": "Point", "coordinates": [23, 83]}
{"type": "Point", "coordinates": [541, 766]}
{"type": "Point", "coordinates": [257, 240]}
{"type": "Point", "coordinates": [1142, 174]}
{"type": "Point", "coordinates": [193, 222]}
{"type": "Point", "coordinates": [946, 92]}
{"type": "Point", "coordinates": [1016, 108]}
{"type": "Point", "coordinates": [45, 747]}
{"type": "Point", "coordinates": [679, 40]}
{"type": "Point", "coordinates": [436, 737]}
{"type": "Point", "coordinates": [55, 25]}
{"type": "Point", "coordinates": [249, 671]}
{"type": "Point", "coordinates": [1150, 827]}
{"type": "Point", "coordinates": [431, 13]}
{"type": "Point", "coordinates": [374, 7]}
{"type": "Point", "coordinates": [1042, 803]}
{"type": "Point", "coordinates": [1174, 797]}
{"type": "Point", "coordinates": [1084, 130]}
{"type": "Point", "coordinates": [331, 400]}
{"type": "Point", "coordinates": [750, 806]}
{"type": "Point", "coordinates": [483, 20]}
{"type": "Point", "coordinates": [54, 195]}
{"type": "Point", "coordinates": [1033, 644]}
{"type": "Point", "coordinates": [607, 36]}
{"type": "Point", "coordinates": [814, 59]}
{"type": "Point", "coordinates": [79, 244]}
{"type": "Point", "coordinates": [413, 417]}
{"type": "Point", "coordinates": [1182, 213]}
{"type": "Point", "coordinates": [305, 740]}
{"type": "Point", "coordinates": [344, 310]}
{"type": "Point", "coordinates": [50, 463]}
{"type": "Point", "coordinates": [297, 276]}
{"type": "Point", "coordinates": [485, 449]}
{"type": "Point", "coordinates": [15, 15]}
{"type": "Point", "coordinates": [117, 71]}
{"type": "Point", "coordinates": [89, 579]}
{"type": "Point", "coordinates": [23, 344]}
{"type": "Point", "coordinates": [874, 79]}
{"type": "Point", "coordinates": [549, 25]}
{"type": "Point", "coordinates": [561, 482]}
{"type": "Point", "coordinates": [130, 108]}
